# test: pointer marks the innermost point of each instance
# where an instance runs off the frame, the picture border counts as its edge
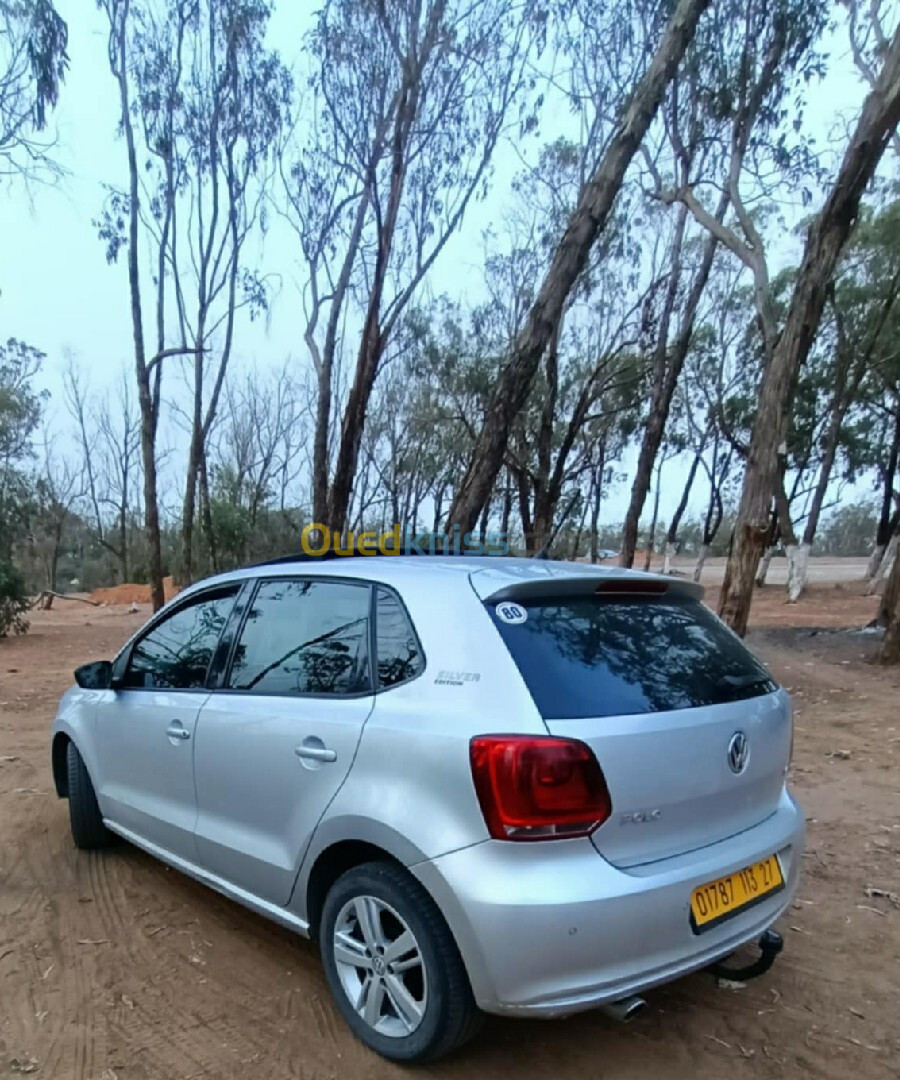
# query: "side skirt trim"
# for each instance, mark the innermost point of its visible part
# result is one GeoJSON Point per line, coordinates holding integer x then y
{"type": "Point", "coordinates": [241, 896]}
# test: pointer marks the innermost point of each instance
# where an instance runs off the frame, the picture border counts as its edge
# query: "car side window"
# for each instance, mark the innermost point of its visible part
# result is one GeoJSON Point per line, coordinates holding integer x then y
{"type": "Point", "coordinates": [304, 637]}
{"type": "Point", "coordinates": [176, 653]}
{"type": "Point", "coordinates": [399, 653]}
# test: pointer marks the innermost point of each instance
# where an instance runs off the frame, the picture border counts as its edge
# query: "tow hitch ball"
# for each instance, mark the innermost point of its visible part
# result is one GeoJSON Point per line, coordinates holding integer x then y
{"type": "Point", "coordinates": [770, 945]}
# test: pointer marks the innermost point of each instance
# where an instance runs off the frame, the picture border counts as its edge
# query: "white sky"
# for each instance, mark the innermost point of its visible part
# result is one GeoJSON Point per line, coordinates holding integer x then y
{"type": "Point", "coordinates": [58, 293]}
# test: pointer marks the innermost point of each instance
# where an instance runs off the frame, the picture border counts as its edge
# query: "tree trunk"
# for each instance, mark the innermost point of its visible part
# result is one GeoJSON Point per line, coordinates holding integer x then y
{"type": "Point", "coordinates": [672, 534]}
{"type": "Point", "coordinates": [885, 528]}
{"type": "Point", "coordinates": [206, 516]}
{"type": "Point", "coordinates": [890, 614]}
{"type": "Point", "coordinates": [485, 516]}
{"type": "Point", "coordinates": [765, 562]}
{"type": "Point", "coordinates": [825, 241]}
{"type": "Point", "coordinates": [797, 554]}
{"type": "Point", "coordinates": [546, 490]}
{"type": "Point", "coordinates": [884, 569]}
{"type": "Point", "coordinates": [595, 506]}
{"type": "Point", "coordinates": [585, 225]}
{"type": "Point", "coordinates": [875, 560]}
{"type": "Point", "coordinates": [651, 539]}
{"type": "Point", "coordinates": [325, 364]}
{"type": "Point", "coordinates": [667, 369]}
{"type": "Point", "coordinates": [660, 400]}
{"type": "Point", "coordinates": [123, 535]}
{"type": "Point", "coordinates": [145, 397]}
{"type": "Point", "coordinates": [701, 562]}
{"type": "Point", "coordinates": [798, 570]}
{"type": "Point", "coordinates": [373, 339]}
{"type": "Point", "coordinates": [506, 510]}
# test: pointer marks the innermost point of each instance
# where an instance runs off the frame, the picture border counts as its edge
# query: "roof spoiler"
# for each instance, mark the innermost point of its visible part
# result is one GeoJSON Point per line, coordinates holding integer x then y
{"type": "Point", "coordinates": [627, 584]}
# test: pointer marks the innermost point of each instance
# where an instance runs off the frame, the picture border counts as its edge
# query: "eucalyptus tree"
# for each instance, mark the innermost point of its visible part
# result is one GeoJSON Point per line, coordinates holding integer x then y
{"type": "Point", "coordinates": [408, 101]}
{"type": "Point", "coordinates": [202, 99]}
{"type": "Point", "coordinates": [860, 325]}
{"type": "Point", "coordinates": [593, 368]}
{"type": "Point", "coordinates": [665, 45]}
{"type": "Point", "coordinates": [33, 62]}
{"type": "Point", "coordinates": [758, 59]}
{"type": "Point", "coordinates": [866, 306]}
{"type": "Point", "coordinates": [825, 241]}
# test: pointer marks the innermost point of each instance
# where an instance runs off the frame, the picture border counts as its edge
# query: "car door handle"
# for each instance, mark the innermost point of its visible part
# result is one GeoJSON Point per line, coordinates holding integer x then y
{"type": "Point", "coordinates": [315, 753]}
{"type": "Point", "coordinates": [177, 730]}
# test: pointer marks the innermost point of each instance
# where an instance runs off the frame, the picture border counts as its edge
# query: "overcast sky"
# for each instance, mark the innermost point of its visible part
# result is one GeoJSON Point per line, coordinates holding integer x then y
{"type": "Point", "coordinates": [58, 293]}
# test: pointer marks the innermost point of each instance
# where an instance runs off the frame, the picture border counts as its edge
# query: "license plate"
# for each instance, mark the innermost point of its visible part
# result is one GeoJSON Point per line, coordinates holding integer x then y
{"type": "Point", "coordinates": [719, 900]}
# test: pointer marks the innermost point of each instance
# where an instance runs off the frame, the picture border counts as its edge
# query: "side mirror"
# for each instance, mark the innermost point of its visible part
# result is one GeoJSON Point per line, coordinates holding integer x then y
{"type": "Point", "coordinates": [96, 676]}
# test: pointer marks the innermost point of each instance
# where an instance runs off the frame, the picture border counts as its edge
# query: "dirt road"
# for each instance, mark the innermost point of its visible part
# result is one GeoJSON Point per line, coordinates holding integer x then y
{"type": "Point", "coordinates": [114, 968]}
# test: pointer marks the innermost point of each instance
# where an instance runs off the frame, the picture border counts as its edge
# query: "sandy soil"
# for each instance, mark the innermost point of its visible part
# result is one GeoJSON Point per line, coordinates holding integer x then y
{"type": "Point", "coordinates": [114, 968]}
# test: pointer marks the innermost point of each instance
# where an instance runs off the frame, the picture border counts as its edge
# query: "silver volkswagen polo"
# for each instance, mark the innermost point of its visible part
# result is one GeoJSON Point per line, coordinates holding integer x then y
{"type": "Point", "coordinates": [480, 784]}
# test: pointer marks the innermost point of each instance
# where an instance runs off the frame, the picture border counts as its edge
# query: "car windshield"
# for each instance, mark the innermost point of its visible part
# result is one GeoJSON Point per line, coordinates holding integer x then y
{"type": "Point", "coordinates": [587, 656]}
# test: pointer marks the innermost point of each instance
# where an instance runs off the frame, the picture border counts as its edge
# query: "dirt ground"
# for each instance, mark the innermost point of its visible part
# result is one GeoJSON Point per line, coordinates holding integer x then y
{"type": "Point", "coordinates": [113, 967]}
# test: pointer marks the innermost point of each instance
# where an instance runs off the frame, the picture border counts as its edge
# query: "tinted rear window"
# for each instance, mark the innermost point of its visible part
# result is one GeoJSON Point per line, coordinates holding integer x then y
{"type": "Point", "coordinates": [611, 656]}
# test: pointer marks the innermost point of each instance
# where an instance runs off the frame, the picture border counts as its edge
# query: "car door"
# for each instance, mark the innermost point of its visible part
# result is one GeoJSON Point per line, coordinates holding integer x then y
{"type": "Point", "coordinates": [275, 742]}
{"type": "Point", "coordinates": [145, 725]}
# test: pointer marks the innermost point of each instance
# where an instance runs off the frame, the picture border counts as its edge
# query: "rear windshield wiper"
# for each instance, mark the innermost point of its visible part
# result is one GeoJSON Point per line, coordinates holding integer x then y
{"type": "Point", "coordinates": [747, 682]}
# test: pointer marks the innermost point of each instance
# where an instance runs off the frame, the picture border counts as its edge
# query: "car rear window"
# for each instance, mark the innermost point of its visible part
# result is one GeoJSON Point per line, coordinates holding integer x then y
{"type": "Point", "coordinates": [587, 656]}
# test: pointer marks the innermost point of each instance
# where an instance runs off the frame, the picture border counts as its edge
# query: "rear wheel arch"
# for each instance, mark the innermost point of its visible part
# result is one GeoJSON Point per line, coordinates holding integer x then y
{"type": "Point", "coordinates": [330, 864]}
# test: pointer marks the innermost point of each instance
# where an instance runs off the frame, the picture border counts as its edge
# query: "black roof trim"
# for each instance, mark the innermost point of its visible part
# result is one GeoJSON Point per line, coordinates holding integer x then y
{"type": "Point", "coordinates": [367, 553]}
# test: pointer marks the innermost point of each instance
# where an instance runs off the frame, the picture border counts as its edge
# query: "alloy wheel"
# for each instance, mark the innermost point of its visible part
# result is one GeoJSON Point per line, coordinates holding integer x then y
{"type": "Point", "coordinates": [380, 966]}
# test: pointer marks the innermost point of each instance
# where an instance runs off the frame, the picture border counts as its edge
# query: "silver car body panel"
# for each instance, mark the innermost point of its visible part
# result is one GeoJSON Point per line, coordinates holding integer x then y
{"type": "Point", "coordinates": [544, 928]}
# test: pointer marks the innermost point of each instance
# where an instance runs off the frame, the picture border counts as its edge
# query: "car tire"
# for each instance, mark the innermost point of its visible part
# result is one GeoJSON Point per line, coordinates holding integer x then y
{"type": "Point", "coordinates": [419, 996]}
{"type": "Point", "coordinates": [88, 830]}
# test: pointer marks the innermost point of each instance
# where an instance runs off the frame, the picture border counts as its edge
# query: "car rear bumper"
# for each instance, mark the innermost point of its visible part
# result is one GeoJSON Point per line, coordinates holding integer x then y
{"type": "Point", "coordinates": [549, 929]}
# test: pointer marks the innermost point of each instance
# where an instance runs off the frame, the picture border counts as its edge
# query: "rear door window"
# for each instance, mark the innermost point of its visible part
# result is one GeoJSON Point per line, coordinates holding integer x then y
{"type": "Point", "coordinates": [587, 656]}
{"type": "Point", "coordinates": [304, 637]}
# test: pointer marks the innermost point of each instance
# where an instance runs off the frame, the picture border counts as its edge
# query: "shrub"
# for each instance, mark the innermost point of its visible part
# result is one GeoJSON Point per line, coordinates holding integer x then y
{"type": "Point", "coordinates": [14, 601]}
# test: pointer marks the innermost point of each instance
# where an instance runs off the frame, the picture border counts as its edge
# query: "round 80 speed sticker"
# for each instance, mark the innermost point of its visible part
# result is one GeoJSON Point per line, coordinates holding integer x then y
{"type": "Point", "coordinates": [514, 614]}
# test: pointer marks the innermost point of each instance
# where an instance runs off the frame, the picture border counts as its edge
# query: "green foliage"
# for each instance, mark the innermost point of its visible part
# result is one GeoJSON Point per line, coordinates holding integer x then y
{"type": "Point", "coordinates": [33, 63]}
{"type": "Point", "coordinates": [14, 600]}
{"type": "Point", "coordinates": [20, 414]}
{"type": "Point", "coordinates": [848, 531]}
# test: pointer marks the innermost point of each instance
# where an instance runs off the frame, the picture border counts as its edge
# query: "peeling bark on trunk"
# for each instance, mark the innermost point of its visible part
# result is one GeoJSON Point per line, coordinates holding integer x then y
{"type": "Point", "coordinates": [585, 225]}
{"type": "Point", "coordinates": [825, 240]}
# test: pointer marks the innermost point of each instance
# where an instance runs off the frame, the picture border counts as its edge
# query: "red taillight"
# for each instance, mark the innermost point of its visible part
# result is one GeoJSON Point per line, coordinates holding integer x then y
{"type": "Point", "coordinates": [538, 787]}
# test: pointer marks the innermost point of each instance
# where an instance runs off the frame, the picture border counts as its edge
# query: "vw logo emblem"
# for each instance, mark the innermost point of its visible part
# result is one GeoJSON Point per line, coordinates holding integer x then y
{"type": "Point", "coordinates": [738, 752]}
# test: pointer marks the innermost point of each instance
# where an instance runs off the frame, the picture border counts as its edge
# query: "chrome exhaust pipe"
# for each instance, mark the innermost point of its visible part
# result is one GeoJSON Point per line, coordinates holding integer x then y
{"type": "Point", "coordinates": [624, 1009]}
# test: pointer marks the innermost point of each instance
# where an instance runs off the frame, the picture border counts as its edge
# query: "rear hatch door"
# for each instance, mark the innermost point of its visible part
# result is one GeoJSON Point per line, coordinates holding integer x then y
{"type": "Point", "coordinates": [692, 733]}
